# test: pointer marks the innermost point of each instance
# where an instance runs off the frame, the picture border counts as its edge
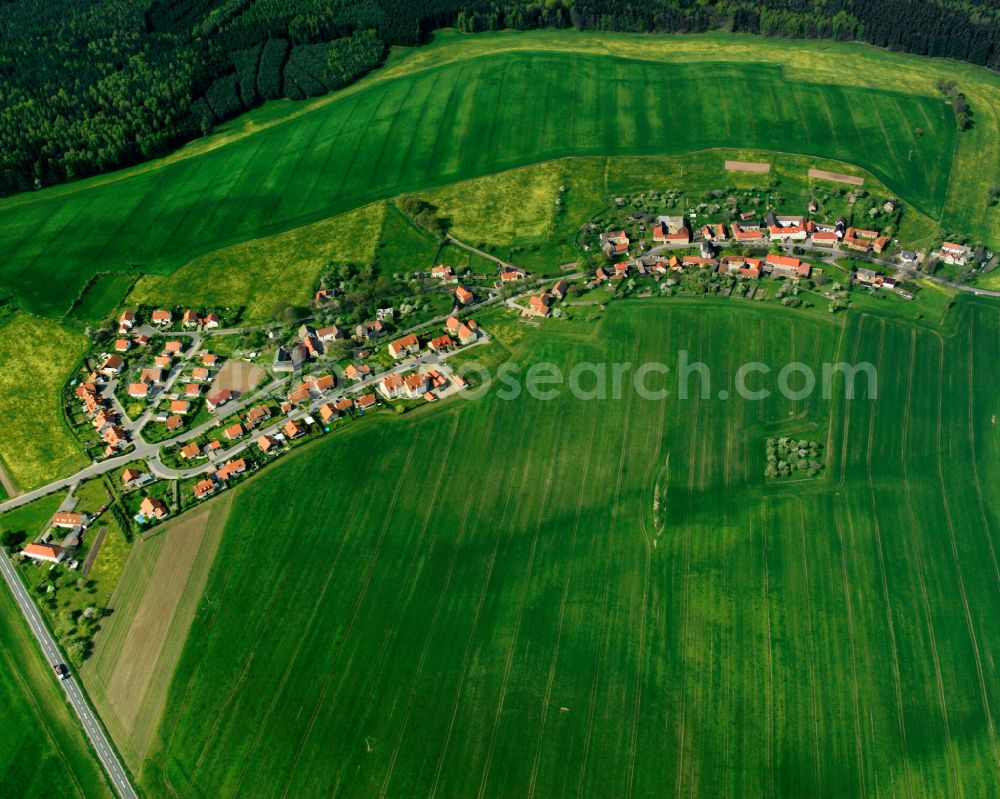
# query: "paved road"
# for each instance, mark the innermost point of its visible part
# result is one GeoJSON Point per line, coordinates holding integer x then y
{"type": "Point", "coordinates": [100, 742]}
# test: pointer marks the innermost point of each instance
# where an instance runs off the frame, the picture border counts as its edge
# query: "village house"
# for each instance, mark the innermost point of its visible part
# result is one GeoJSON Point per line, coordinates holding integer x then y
{"type": "Point", "coordinates": [880, 244]}
{"type": "Point", "coordinates": [234, 431]}
{"type": "Point", "coordinates": [356, 373]}
{"type": "Point", "coordinates": [785, 266]}
{"type": "Point", "coordinates": [614, 243]}
{"type": "Point", "coordinates": [163, 361]}
{"type": "Point", "coordinates": [138, 390]}
{"type": "Point", "coordinates": [161, 317]}
{"type": "Point", "coordinates": [190, 319]}
{"type": "Point", "coordinates": [231, 469]}
{"type": "Point", "coordinates": [50, 553]}
{"type": "Point", "coordinates": [69, 520]}
{"type": "Point", "coordinates": [442, 272]}
{"type": "Point", "coordinates": [141, 340]}
{"type": "Point", "coordinates": [957, 254]}
{"type": "Point", "coordinates": [322, 297]}
{"type": "Point", "coordinates": [465, 332]}
{"type": "Point", "coordinates": [192, 390]}
{"type": "Point", "coordinates": [824, 238]}
{"type": "Point", "coordinates": [391, 386]}
{"type": "Point", "coordinates": [559, 289]}
{"type": "Point", "coordinates": [130, 477]}
{"type": "Point", "coordinates": [122, 345]}
{"type": "Point", "coordinates": [402, 347]}
{"type": "Point", "coordinates": [212, 321]}
{"type": "Point", "coordinates": [747, 232]}
{"type": "Point", "coordinates": [115, 437]}
{"type": "Point", "coordinates": [714, 232]}
{"type": "Point", "coordinates": [369, 330]}
{"type": "Point", "coordinates": [293, 429]}
{"type": "Point", "coordinates": [299, 395]}
{"type": "Point", "coordinates": [151, 374]}
{"type": "Point", "coordinates": [328, 412]}
{"type": "Point", "coordinates": [344, 404]}
{"type": "Point", "coordinates": [151, 508]}
{"type": "Point", "coordinates": [463, 295]}
{"type": "Point", "coordinates": [209, 359]}
{"type": "Point", "coordinates": [694, 262]}
{"type": "Point", "coordinates": [365, 402]}
{"type": "Point", "coordinates": [671, 230]}
{"type": "Point", "coordinates": [320, 385]}
{"type": "Point", "coordinates": [219, 399]}
{"type": "Point", "coordinates": [787, 232]}
{"type": "Point", "coordinates": [539, 305]}
{"type": "Point", "coordinates": [172, 348]}
{"type": "Point", "coordinates": [189, 451]}
{"type": "Point", "coordinates": [331, 333]}
{"type": "Point", "coordinates": [441, 344]}
{"type": "Point", "coordinates": [174, 422]}
{"type": "Point", "coordinates": [126, 321]}
{"type": "Point", "coordinates": [256, 415]}
{"type": "Point", "coordinates": [112, 365]}
{"type": "Point", "coordinates": [510, 275]}
{"type": "Point", "coordinates": [743, 267]}
{"type": "Point", "coordinates": [265, 444]}
{"type": "Point", "coordinates": [204, 488]}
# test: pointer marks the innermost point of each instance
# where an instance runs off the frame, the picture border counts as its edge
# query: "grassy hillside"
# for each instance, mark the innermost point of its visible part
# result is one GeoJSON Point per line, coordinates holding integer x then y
{"type": "Point", "coordinates": [43, 754]}
{"type": "Point", "coordinates": [36, 355]}
{"type": "Point", "coordinates": [481, 601]}
{"type": "Point", "coordinates": [461, 119]}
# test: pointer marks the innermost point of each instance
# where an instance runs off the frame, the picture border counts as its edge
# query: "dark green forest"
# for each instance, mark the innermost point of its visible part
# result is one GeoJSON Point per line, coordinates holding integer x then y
{"type": "Point", "coordinates": [92, 85]}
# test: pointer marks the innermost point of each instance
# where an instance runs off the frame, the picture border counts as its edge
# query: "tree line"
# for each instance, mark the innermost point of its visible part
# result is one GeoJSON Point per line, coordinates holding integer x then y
{"type": "Point", "coordinates": [88, 86]}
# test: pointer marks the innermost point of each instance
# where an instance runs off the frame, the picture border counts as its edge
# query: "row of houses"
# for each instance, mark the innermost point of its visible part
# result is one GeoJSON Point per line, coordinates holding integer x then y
{"type": "Point", "coordinates": [103, 417]}
{"type": "Point", "coordinates": [164, 318]}
{"type": "Point", "coordinates": [463, 331]}
{"type": "Point", "coordinates": [753, 268]}
{"type": "Point", "coordinates": [774, 227]}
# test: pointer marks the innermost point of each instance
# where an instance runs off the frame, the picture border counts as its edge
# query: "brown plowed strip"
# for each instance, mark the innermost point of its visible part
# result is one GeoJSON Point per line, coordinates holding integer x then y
{"type": "Point", "coordinates": [747, 166]}
{"type": "Point", "coordinates": [836, 176]}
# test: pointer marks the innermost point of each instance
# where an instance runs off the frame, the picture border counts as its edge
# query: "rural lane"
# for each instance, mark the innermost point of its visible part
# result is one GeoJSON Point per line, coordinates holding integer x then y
{"type": "Point", "coordinates": [99, 741]}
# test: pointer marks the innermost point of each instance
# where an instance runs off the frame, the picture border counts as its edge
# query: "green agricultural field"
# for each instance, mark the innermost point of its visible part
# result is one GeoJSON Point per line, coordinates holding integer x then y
{"type": "Point", "coordinates": [101, 297]}
{"type": "Point", "coordinates": [43, 754]}
{"type": "Point", "coordinates": [478, 112]}
{"type": "Point", "coordinates": [604, 597]}
{"type": "Point", "coordinates": [36, 357]}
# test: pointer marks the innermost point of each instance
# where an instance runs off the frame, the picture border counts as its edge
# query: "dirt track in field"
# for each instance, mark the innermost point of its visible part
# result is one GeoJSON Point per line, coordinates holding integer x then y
{"type": "Point", "coordinates": [747, 166]}
{"type": "Point", "coordinates": [836, 176]}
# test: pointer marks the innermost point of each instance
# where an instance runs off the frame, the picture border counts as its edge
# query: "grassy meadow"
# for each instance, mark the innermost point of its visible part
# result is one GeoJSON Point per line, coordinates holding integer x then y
{"type": "Point", "coordinates": [482, 600]}
{"type": "Point", "coordinates": [36, 356]}
{"type": "Point", "coordinates": [43, 753]}
{"type": "Point", "coordinates": [259, 274]}
{"type": "Point", "coordinates": [461, 119]}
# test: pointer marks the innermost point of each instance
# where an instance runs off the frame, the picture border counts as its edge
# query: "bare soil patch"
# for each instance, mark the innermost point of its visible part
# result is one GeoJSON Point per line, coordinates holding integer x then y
{"type": "Point", "coordinates": [153, 609]}
{"type": "Point", "coordinates": [747, 166]}
{"type": "Point", "coordinates": [238, 377]}
{"type": "Point", "coordinates": [836, 176]}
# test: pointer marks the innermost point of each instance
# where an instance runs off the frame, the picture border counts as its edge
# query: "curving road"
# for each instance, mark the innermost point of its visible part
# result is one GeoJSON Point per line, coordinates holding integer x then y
{"type": "Point", "coordinates": [102, 746]}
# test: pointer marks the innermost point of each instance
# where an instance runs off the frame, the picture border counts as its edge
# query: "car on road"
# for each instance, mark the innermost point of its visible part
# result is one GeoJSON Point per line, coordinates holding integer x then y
{"type": "Point", "coordinates": [61, 671]}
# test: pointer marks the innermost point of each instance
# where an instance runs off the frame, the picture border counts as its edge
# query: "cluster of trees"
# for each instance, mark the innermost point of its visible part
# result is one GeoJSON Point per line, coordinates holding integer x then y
{"type": "Point", "coordinates": [92, 85]}
{"type": "Point", "coordinates": [788, 457]}
{"type": "Point", "coordinates": [963, 114]}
